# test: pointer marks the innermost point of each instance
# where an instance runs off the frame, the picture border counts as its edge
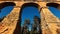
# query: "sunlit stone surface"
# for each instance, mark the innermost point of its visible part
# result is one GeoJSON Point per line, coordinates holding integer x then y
{"type": "Point", "coordinates": [48, 21]}
{"type": "Point", "coordinates": [9, 23]}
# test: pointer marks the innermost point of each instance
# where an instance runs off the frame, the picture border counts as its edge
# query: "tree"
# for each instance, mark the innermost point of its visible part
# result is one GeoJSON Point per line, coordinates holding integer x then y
{"type": "Point", "coordinates": [37, 23]}
{"type": "Point", "coordinates": [25, 29]}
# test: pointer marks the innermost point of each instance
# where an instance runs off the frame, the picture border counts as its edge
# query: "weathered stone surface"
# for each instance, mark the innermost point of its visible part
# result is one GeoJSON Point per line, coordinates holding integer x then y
{"type": "Point", "coordinates": [9, 23]}
{"type": "Point", "coordinates": [49, 22]}
{"type": "Point", "coordinates": [47, 18]}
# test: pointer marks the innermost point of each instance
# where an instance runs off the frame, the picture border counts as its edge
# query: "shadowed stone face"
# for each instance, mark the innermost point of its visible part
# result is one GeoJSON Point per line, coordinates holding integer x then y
{"type": "Point", "coordinates": [58, 7]}
{"type": "Point", "coordinates": [58, 31]}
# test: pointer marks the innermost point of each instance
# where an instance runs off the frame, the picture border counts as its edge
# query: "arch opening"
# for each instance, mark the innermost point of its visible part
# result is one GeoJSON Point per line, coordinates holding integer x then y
{"type": "Point", "coordinates": [29, 16]}
{"type": "Point", "coordinates": [5, 9]}
{"type": "Point", "coordinates": [54, 8]}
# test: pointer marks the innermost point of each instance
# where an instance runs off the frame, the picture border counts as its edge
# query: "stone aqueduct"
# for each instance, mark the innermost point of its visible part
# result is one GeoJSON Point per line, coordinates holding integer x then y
{"type": "Point", "coordinates": [10, 24]}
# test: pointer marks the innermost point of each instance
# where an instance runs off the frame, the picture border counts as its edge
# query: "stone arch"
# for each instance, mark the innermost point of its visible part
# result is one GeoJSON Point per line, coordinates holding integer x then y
{"type": "Point", "coordinates": [52, 4]}
{"type": "Point", "coordinates": [27, 5]}
{"type": "Point", "coordinates": [54, 8]}
{"type": "Point", "coordinates": [4, 5]}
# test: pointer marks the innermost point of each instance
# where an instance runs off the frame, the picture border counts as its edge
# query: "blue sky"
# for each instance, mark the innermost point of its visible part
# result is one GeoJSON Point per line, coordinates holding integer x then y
{"type": "Point", "coordinates": [5, 11]}
{"type": "Point", "coordinates": [29, 13]}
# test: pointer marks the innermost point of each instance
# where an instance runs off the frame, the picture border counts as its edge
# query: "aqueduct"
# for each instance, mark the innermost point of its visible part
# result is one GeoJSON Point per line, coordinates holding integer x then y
{"type": "Point", "coordinates": [10, 24]}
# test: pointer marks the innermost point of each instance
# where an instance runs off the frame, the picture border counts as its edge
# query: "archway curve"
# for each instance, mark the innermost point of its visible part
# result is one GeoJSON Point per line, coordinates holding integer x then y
{"type": "Point", "coordinates": [30, 4]}
{"type": "Point", "coordinates": [27, 5]}
{"type": "Point", "coordinates": [52, 4]}
{"type": "Point", "coordinates": [18, 27]}
{"type": "Point", "coordinates": [4, 4]}
{"type": "Point", "coordinates": [3, 7]}
{"type": "Point", "coordinates": [54, 9]}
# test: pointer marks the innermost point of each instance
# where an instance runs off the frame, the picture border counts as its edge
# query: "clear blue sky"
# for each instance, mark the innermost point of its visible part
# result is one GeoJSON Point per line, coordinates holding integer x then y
{"type": "Point", "coordinates": [29, 13]}
{"type": "Point", "coordinates": [55, 11]}
{"type": "Point", "coordinates": [5, 11]}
